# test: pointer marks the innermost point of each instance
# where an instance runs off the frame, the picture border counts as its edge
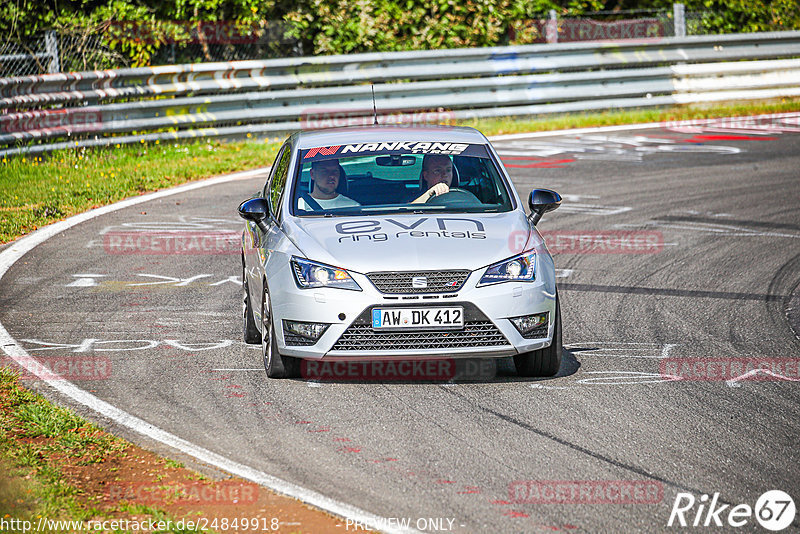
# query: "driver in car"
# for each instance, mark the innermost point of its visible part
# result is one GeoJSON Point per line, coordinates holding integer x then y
{"type": "Point", "coordinates": [325, 177]}
{"type": "Point", "coordinates": [437, 175]}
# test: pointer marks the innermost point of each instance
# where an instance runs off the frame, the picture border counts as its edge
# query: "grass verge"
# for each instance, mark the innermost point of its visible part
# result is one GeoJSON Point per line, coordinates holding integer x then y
{"type": "Point", "coordinates": [634, 116]}
{"type": "Point", "coordinates": [61, 469]}
{"type": "Point", "coordinates": [35, 191]}
{"type": "Point", "coordinates": [36, 440]}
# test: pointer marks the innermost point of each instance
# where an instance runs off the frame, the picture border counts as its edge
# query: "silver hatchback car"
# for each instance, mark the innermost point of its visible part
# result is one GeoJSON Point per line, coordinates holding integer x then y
{"type": "Point", "coordinates": [397, 243]}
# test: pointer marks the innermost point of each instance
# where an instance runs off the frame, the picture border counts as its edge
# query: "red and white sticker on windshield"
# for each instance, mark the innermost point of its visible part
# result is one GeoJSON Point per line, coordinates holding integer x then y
{"type": "Point", "coordinates": [396, 147]}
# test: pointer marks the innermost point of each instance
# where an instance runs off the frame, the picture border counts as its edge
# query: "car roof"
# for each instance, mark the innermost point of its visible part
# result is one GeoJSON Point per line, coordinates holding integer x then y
{"type": "Point", "coordinates": [380, 133]}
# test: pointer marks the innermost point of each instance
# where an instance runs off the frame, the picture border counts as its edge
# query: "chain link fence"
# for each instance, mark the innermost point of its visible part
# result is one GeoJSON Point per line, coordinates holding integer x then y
{"type": "Point", "coordinates": [37, 56]}
{"type": "Point", "coordinates": [86, 50]}
{"type": "Point", "coordinates": [226, 41]}
{"type": "Point", "coordinates": [119, 44]}
{"type": "Point", "coordinates": [125, 44]}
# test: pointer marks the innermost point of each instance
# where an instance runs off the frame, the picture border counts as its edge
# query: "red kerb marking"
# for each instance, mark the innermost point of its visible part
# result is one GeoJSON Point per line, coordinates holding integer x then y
{"type": "Point", "coordinates": [708, 137]}
{"type": "Point", "coordinates": [542, 163]}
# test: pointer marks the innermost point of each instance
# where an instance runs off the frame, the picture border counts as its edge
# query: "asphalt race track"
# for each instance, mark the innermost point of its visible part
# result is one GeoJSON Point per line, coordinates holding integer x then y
{"type": "Point", "coordinates": [693, 254]}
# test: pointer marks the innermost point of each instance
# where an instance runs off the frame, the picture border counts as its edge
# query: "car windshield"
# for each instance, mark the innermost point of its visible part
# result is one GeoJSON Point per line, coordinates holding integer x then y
{"type": "Point", "coordinates": [398, 177]}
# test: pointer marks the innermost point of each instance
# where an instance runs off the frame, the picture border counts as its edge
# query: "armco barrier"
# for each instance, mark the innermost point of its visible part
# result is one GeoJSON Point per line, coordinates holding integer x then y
{"type": "Point", "coordinates": [271, 96]}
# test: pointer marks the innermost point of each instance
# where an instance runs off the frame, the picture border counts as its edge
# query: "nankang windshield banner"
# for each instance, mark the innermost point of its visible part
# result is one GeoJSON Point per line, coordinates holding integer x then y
{"type": "Point", "coordinates": [395, 147]}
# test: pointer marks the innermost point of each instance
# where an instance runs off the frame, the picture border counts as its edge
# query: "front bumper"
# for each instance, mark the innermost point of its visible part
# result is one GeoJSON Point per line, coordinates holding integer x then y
{"type": "Point", "coordinates": [486, 310]}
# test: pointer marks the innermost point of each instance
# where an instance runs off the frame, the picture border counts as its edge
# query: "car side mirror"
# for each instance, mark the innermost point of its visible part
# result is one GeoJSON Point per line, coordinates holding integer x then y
{"type": "Point", "coordinates": [255, 210]}
{"type": "Point", "coordinates": [541, 201]}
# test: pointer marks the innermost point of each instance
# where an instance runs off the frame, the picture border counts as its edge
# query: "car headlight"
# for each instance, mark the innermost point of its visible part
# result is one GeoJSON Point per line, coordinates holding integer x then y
{"type": "Point", "coordinates": [517, 269]}
{"type": "Point", "coordinates": [310, 274]}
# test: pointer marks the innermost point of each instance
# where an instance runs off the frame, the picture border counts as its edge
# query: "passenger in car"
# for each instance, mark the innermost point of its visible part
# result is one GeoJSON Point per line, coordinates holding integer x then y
{"type": "Point", "coordinates": [436, 178]}
{"type": "Point", "coordinates": [327, 181]}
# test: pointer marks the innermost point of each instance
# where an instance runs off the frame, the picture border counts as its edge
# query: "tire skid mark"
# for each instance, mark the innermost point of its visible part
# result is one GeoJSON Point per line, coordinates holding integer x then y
{"type": "Point", "coordinates": [578, 448]}
{"type": "Point", "coordinates": [346, 445]}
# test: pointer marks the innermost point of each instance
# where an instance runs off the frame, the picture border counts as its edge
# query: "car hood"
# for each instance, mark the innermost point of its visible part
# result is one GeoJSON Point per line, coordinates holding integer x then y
{"type": "Point", "coordinates": [412, 242]}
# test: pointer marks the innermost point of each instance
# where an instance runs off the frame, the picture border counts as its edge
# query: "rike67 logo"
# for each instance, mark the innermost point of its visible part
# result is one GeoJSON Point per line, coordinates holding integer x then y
{"type": "Point", "coordinates": [774, 510]}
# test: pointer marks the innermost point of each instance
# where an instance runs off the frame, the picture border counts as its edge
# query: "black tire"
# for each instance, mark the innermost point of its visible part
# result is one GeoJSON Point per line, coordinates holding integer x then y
{"type": "Point", "coordinates": [546, 361]}
{"type": "Point", "coordinates": [277, 366]}
{"type": "Point", "coordinates": [249, 326]}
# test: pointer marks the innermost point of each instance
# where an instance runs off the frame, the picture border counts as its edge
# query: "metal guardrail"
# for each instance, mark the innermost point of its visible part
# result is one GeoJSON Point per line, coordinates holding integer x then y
{"type": "Point", "coordinates": [268, 97]}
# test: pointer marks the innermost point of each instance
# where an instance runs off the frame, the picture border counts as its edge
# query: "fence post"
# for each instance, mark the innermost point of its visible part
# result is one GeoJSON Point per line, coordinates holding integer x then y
{"type": "Point", "coordinates": [551, 33]}
{"type": "Point", "coordinates": [679, 18]}
{"type": "Point", "coordinates": [51, 48]}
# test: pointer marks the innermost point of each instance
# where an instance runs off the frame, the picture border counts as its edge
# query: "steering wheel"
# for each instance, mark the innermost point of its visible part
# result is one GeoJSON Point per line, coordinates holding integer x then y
{"type": "Point", "coordinates": [455, 196]}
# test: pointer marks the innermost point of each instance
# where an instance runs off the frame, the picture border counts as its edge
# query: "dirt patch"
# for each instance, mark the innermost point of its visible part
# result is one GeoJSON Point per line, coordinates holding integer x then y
{"type": "Point", "coordinates": [136, 476]}
{"type": "Point", "coordinates": [63, 467]}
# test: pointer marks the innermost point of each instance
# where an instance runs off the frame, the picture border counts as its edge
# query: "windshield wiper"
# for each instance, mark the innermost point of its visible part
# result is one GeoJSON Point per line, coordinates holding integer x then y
{"type": "Point", "coordinates": [414, 209]}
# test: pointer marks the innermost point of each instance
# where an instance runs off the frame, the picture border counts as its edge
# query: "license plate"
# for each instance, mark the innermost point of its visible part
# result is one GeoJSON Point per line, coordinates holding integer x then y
{"type": "Point", "coordinates": [417, 317]}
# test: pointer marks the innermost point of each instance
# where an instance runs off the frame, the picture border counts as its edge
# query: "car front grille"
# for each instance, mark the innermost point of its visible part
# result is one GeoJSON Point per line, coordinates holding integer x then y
{"type": "Point", "coordinates": [402, 282]}
{"type": "Point", "coordinates": [478, 331]}
{"type": "Point", "coordinates": [293, 339]}
{"type": "Point", "coordinates": [542, 331]}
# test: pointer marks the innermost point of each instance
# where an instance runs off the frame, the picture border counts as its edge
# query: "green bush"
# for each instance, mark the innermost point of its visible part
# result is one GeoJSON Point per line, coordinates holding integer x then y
{"type": "Point", "coordinates": [347, 26]}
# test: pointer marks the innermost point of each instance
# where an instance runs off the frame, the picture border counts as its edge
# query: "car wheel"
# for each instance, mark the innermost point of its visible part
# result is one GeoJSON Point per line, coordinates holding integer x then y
{"type": "Point", "coordinates": [546, 361]}
{"type": "Point", "coordinates": [277, 366]}
{"type": "Point", "coordinates": [249, 327]}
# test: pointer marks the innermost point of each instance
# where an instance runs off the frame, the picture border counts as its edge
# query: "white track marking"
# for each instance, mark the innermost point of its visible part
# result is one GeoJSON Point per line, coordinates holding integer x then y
{"type": "Point", "coordinates": [594, 209]}
{"type": "Point", "coordinates": [623, 378]}
{"type": "Point", "coordinates": [721, 229]}
{"type": "Point", "coordinates": [734, 382]}
{"type": "Point", "coordinates": [620, 349]}
{"type": "Point", "coordinates": [85, 280]}
{"type": "Point", "coordinates": [20, 247]}
{"type": "Point", "coordinates": [178, 282]}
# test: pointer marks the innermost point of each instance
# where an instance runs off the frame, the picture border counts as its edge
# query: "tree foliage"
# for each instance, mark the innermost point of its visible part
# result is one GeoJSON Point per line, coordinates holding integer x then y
{"type": "Point", "coordinates": [346, 26]}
